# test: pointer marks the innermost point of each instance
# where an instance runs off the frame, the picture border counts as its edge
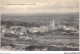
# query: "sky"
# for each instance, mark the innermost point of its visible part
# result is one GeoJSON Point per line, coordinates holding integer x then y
{"type": "Point", "coordinates": [39, 6]}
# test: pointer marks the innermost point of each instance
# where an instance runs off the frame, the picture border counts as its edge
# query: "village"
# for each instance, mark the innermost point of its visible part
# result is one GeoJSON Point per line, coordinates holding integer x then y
{"type": "Point", "coordinates": [22, 30]}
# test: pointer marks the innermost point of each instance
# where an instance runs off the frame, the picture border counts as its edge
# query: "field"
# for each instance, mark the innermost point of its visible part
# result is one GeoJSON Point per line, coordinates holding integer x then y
{"type": "Point", "coordinates": [52, 41]}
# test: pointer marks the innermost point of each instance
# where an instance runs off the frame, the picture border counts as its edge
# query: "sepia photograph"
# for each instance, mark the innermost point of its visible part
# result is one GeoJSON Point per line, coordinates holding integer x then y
{"type": "Point", "coordinates": [39, 25]}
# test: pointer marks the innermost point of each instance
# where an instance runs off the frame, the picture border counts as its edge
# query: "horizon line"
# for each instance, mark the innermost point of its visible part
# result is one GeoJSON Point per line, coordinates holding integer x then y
{"type": "Point", "coordinates": [38, 13]}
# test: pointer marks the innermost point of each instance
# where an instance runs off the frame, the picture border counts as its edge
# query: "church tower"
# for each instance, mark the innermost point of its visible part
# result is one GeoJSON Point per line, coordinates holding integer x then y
{"type": "Point", "coordinates": [52, 24]}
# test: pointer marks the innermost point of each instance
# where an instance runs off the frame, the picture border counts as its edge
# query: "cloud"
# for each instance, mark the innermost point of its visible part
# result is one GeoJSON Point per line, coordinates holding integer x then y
{"type": "Point", "coordinates": [42, 6]}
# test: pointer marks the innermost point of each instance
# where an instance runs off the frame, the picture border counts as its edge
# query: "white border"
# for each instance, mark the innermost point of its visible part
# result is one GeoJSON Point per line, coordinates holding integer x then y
{"type": "Point", "coordinates": [38, 52]}
{"type": "Point", "coordinates": [0, 23]}
{"type": "Point", "coordinates": [79, 25]}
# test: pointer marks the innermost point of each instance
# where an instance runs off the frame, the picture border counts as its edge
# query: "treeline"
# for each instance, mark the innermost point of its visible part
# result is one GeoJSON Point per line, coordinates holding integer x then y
{"type": "Point", "coordinates": [19, 23]}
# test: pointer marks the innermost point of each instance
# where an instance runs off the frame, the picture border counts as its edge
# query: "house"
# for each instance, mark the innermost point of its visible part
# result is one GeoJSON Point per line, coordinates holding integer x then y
{"type": "Point", "coordinates": [43, 29]}
{"type": "Point", "coordinates": [69, 28]}
{"type": "Point", "coordinates": [33, 29]}
{"type": "Point", "coordinates": [3, 31]}
{"type": "Point", "coordinates": [61, 26]}
{"type": "Point", "coordinates": [25, 37]}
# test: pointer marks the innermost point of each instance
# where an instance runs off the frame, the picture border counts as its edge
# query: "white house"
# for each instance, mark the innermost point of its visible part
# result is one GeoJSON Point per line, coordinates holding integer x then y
{"type": "Point", "coordinates": [33, 29]}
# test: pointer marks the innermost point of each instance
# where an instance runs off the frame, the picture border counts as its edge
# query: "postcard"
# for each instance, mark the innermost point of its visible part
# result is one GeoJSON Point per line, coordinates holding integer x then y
{"type": "Point", "coordinates": [39, 25]}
